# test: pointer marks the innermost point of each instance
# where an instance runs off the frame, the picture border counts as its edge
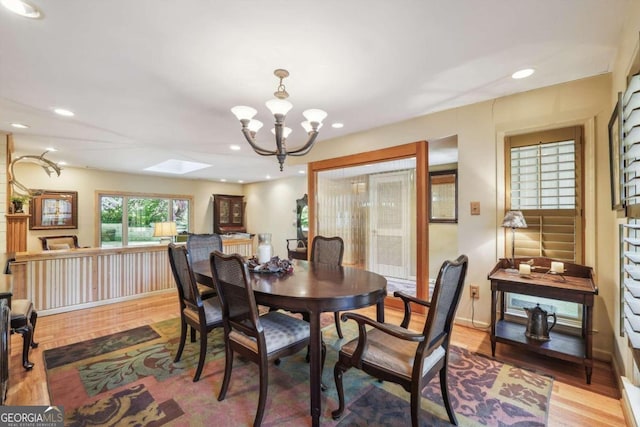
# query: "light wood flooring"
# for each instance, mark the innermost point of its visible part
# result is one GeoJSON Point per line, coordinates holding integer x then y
{"type": "Point", "coordinates": [573, 402]}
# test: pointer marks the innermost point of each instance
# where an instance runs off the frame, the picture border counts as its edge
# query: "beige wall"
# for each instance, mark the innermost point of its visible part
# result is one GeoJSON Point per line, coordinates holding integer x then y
{"type": "Point", "coordinates": [87, 181]}
{"type": "Point", "coordinates": [271, 208]}
{"type": "Point", "coordinates": [480, 129]}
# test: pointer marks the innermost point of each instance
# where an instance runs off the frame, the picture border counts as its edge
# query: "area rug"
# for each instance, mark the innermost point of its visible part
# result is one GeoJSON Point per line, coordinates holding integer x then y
{"type": "Point", "coordinates": [129, 378]}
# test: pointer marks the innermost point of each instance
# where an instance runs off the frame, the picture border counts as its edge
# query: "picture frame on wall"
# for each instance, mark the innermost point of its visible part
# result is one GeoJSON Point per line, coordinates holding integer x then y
{"type": "Point", "coordinates": [616, 156]}
{"type": "Point", "coordinates": [54, 210]}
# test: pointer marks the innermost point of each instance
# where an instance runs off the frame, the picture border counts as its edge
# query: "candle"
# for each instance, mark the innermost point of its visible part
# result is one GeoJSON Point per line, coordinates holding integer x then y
{"type": "Point", "coordinates": [557, 267]}
{"type": "Point", "coordinates": [264, 253]}
{"type": "Point", "coordinates": [524, 269]}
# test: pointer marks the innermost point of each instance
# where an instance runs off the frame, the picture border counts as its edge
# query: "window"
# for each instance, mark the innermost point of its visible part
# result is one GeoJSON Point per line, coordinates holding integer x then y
{"type": "Point", "coordinates": [128, 219]}
{"type": "Point", "coordinates": [544, 180]}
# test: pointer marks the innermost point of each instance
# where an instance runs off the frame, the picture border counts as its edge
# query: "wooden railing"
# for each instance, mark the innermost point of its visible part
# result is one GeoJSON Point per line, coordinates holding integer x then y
{"type": "Point", "coordinates": [59, 281]}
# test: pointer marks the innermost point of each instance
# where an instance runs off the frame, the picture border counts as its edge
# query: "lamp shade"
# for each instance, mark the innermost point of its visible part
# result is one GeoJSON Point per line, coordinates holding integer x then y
{"type": "Point", "coordinates": [165, 229]}
{"type": "Point", "coordinates": [514, 219]}
{"type": "Point", "coordinates": [242, 112]}
{"type": "Point", "coordinates": [279, 106]}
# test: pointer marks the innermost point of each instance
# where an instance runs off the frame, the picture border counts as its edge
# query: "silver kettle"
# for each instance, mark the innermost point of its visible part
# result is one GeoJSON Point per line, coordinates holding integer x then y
{"type": "Point", "coordinates": [537, 324]}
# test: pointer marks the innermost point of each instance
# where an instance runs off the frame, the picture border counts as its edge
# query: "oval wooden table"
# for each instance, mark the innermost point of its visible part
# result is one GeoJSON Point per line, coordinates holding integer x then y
{"type": "Point", "coordinates": [314, 288]}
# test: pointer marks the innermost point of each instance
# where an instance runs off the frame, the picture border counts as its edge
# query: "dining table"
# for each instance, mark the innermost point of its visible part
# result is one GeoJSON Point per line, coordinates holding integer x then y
{"type": "Point", "coordinates": [313, 288]}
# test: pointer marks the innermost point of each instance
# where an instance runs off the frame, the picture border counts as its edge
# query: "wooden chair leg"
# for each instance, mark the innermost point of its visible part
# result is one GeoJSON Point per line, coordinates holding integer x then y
{"type": "Point", "coordinates": [33, 319]}
{"type": "Point", "coordinates": [444, 388]}
{"type": "Point", "coordinates": [183, 338]}
{"type": "Point", "coordinates": [203, 353]}
{"type": "Point", "coordinates": [262, 399]}
{"type": "Point", "coordinates": [27, 335]}
{"type": "Point", "coordinates": [336, 317]}
{"type": "Point", "coordinates": [228, 366]}
{"type": "Point", "coordinates": [337, 375]}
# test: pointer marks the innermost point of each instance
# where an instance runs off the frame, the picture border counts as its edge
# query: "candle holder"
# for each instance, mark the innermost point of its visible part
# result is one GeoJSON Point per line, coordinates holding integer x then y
{"type": "Point", "coordinates": [556, 273]}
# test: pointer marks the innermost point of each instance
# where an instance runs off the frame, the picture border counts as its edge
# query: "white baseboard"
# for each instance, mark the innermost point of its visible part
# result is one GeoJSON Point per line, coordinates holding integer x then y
{"type": "Point", "coordinates": [631, 403]}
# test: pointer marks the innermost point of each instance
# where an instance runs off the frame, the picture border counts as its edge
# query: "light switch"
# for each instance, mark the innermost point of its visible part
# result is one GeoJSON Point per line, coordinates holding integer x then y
{"type": "Point", "coordinates": [475, 208]}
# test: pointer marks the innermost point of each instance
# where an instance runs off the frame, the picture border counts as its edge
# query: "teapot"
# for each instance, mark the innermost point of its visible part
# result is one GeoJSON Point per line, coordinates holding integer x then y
{"type": "Point", "coordinates": [537, 324]}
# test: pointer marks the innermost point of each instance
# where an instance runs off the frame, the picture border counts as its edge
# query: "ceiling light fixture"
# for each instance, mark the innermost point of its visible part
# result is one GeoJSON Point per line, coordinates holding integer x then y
{"type": "Point", "coordinates": [279, 107]}
{"type": "Point", "coordinates": [19, 126]}
{"type": "Point", "coordinates": [521, 74]}
{"type": "Point", "coordinates": [22, 8]}
{"type": "Point", "coordinates": [337, 125]}
{"type": "Point", "coordinates": [63, 112]}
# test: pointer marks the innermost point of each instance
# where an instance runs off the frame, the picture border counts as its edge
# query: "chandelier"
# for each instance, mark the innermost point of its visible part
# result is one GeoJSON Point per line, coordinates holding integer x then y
{"type": "Point", "coordinates": [279, 107]}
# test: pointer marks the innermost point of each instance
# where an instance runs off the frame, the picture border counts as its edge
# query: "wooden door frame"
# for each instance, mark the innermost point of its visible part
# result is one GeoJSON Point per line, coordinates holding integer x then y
{"type": "Point", "coordinates": [420, 151]}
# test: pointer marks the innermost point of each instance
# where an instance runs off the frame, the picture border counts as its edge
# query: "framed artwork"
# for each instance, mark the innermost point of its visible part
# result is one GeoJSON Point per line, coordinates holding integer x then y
{"type": "Point", "coordinates": [54, 210]}
{"type": "Point", "coordinates": [616, 155]}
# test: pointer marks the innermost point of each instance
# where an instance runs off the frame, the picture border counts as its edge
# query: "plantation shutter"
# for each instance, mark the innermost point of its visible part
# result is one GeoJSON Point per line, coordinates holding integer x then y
{"type": "Point", "coordinates": [544, 181]}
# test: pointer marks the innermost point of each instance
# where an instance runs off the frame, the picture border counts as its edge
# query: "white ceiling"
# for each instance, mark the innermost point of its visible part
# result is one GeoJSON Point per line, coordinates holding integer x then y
{"type": "Point", "coordinates": [154, 80]}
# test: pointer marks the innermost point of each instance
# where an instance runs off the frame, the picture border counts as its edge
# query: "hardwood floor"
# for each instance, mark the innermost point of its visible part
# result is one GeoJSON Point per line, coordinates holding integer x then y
{"type": "Point", "coordinates": [573, 402]}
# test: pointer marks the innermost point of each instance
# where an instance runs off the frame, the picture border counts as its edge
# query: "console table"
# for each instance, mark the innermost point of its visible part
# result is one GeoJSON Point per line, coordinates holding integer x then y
{"type": "Point", "coordinates": [578, 286]}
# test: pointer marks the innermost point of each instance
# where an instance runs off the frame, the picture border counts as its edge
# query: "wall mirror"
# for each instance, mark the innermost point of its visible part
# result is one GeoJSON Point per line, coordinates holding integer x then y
{"type": "Point", "coordinates": [302, 217]}
{"type": "Point", "coordinates": [54, 209]}
{"type": "Point", "coordinates": [443, 189]}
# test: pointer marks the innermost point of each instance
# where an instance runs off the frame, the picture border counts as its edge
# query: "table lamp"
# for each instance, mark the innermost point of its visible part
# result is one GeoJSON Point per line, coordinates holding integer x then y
{"type": "Point", "coordinates": [165, 230]}
{"type": "Point", "coordinates": [513, 220]}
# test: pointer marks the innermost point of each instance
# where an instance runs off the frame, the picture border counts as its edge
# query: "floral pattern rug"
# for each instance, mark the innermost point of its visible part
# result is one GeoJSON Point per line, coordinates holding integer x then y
{"type": "Point", "coordinates": [130, 378]}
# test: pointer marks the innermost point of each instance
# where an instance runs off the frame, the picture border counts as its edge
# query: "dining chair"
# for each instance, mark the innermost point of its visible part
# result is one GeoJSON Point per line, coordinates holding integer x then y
{"type": "Point", "coordinates": [199, 247]}
{"type": "Point", "coordinates": [396, 354]}
{"type": "Point", "coordinates": [201, 315]}
{"type": "Point", "coordinates": [328, 250]}
{"type": "Point", "coordinates": [260, 339]}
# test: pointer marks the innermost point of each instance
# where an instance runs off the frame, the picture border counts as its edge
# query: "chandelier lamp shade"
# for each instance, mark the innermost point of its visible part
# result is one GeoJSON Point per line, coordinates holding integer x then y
{"type": "Point", "coordinates": [513, 220]}
{"type": "Point", "coordinates": [279, 107]}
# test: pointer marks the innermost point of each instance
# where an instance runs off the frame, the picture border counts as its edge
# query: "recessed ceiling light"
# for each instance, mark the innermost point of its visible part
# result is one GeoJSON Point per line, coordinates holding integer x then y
{"type": "Point", "coordinates": [240, 181]}
{"type": "Point", "coordinates": [234, 147]}
{"type": "Point", "coordinates": [302, 171]}
{"type": "Point", "coordinates": [63, 112]}
{"type": "Point", "coordinates": [50, 149]}
{"type": "Point", "coordinates": [268, 177]}
{"type": "Point", "coordinates": [178, 167]}
{"type": "Point", "coordinates": [521, 74]}
{"type": "Point", "coordinates": [62, 163]}
{"type": "Point", "coordinates": [19, 126]}
{"type": "Point", "coordinates": [223, 180]}
{"type": "Point", "coordinates": [337, 125]}
{"type": "Point", "coordinates": [22, 8]}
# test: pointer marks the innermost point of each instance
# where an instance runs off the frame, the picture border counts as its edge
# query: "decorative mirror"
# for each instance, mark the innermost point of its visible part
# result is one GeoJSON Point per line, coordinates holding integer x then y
{"type": "Point", "coordinates": [443, 192]}
{"type": "Point", "coordinates": [302, 217]}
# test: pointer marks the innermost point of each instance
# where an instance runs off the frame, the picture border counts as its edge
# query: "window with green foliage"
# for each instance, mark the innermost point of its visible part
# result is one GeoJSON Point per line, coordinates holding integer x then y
{"type": "Point", "coordinates": [129, 219]}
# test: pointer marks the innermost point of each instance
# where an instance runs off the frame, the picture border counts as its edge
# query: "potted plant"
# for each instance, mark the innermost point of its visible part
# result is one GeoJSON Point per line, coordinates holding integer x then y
{"type": "Point", "coordinates": [18, 200]}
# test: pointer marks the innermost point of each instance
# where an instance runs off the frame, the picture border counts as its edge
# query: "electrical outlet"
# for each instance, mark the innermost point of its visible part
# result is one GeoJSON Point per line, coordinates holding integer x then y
{"type": "Point", "coordinates": [475, 291]}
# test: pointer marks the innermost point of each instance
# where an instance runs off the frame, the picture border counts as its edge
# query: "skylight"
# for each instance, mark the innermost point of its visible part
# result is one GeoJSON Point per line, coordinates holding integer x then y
{"type": "Point", "coordinates": [177, 167]}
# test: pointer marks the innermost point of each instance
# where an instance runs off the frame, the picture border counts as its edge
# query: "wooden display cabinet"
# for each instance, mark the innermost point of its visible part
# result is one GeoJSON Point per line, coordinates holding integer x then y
{"type": "Point", "coordinates": [228, 214]}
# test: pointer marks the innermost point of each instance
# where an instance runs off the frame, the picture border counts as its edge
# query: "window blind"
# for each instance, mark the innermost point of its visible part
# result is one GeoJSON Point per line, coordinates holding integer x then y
{"type": "Point", "coordinates": [630, 281]}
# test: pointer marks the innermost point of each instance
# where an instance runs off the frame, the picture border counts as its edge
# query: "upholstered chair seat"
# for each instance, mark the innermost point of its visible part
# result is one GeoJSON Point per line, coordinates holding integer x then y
{"type": "Point", "coordinates": [393, 354]}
